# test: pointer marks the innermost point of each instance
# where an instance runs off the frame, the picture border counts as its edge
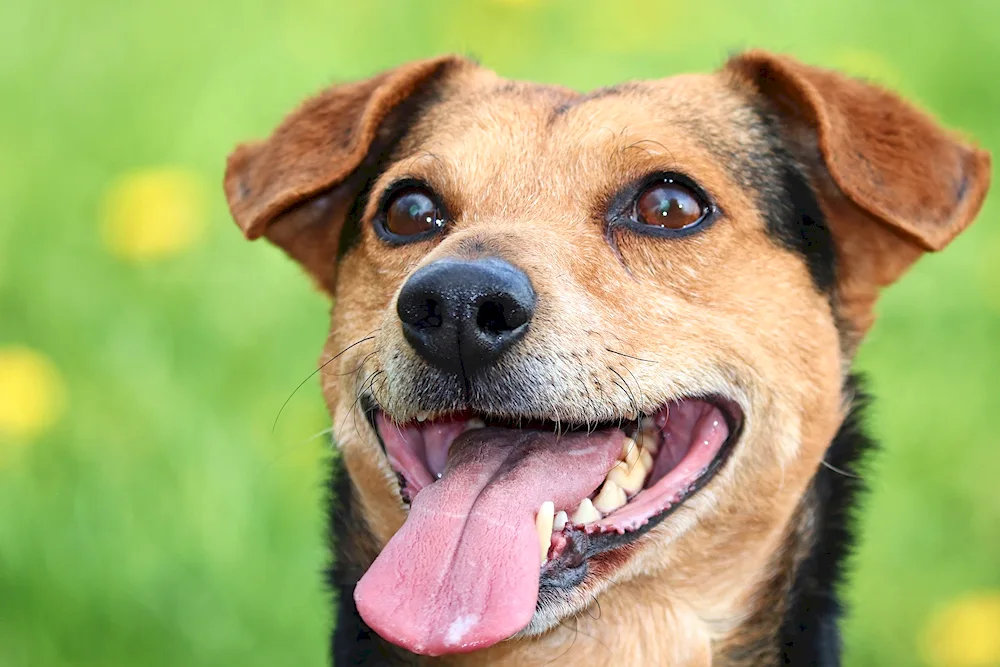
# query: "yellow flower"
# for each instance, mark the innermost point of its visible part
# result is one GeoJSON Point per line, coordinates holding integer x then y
{"type": "Point", "coordinates": [31, 392]}
{"type": "Point", "coordinates": [153, 213]}
{"type": "Point", "coordinates": [965, 633]}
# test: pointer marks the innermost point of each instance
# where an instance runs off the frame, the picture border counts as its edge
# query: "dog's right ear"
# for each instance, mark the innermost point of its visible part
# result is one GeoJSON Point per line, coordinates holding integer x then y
{"type": "Point", "coordinates": [297, 186]}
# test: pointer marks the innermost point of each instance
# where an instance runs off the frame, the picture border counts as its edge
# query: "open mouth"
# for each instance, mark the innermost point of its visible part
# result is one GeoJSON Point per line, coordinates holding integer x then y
{"type": "Point", "coordinates": [501, 509]}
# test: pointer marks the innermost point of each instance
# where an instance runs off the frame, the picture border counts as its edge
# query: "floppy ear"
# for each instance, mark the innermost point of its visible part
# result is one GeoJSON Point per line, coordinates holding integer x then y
{"type": "Point", "coordinates": [297, 186]}
{"type": "Point", "coordinates": [892, 182]}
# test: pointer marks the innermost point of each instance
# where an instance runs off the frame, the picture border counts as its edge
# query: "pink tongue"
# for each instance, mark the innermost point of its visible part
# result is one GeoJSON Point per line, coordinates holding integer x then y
{"type": "Point", "coordinates": [462, 572]}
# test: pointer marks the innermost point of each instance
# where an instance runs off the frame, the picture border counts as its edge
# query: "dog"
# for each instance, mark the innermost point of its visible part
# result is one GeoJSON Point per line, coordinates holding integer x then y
{"type": "Point", "coordinates": [590, 355]}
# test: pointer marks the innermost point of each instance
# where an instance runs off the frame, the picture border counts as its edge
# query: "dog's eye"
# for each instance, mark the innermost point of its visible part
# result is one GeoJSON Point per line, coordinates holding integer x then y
{"type": "Point", "coordinates": [411, 212]}
{"type": "Point", "coordinates": [670, 205]}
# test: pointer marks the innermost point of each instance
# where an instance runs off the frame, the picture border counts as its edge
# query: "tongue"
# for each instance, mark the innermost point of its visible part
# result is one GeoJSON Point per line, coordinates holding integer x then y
{"type": "Point", "coordinates": [462, 572]}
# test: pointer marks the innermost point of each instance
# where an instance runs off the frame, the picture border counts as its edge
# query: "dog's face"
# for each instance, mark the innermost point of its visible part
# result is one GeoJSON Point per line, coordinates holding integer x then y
{"type": "Point", "coordinates": [587, 342]}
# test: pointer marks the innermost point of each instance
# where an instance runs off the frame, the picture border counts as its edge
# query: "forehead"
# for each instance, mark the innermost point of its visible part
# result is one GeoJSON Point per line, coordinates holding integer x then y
{"type": "Point", "coordinates": [538, 140]}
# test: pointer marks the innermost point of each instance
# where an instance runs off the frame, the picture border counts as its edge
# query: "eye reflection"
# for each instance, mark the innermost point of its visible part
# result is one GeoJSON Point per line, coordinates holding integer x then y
{"type": "Point", "coordinates": [670, 205]}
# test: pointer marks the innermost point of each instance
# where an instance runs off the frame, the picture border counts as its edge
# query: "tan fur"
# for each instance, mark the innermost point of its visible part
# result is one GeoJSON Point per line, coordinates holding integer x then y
{"type": "Point", "coordinates": [887, 163]}
{"type": "Point", "coordinates": [726, 311]}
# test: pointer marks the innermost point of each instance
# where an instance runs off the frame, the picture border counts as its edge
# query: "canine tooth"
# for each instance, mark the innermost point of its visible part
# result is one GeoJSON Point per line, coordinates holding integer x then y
{"type": "Point", "coordinates": [422, 416]}
{"type": "Point", "coordinates": [474, 423]}
{"type": "Point", "coordinates": [560, 521]}
{"type": "Point", "coordinates": [543, 524]}
{"type": "Point", "coordinates": [610, 498]}
{"type": "Point", "coordinates": [586, 513]}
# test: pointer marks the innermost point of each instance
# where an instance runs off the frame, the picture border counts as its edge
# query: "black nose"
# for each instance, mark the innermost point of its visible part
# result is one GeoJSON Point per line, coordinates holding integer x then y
{"type": "Point", "coordinates": [462, 315]}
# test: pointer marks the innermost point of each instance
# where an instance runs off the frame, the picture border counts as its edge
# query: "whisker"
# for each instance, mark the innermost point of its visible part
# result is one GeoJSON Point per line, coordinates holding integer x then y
{"type": "Point", "coordinates": [374, 392]}
{"type": "Point", "coordinates": [839, 471]}
{"type": "Point", "coordinates": [638, 388]}
{"type": "Point", "coordinates": [318, 434]}
{"type": "Point", "coordinates": [287, 449]}
{"type": "Point", "coordinates": [310, 376]}
{"type": "Point", "coordinates": [362, 365]}
{"type": "Point", "coordinates": [361, 391]}
{"type": "Point", "coordinates": [600, 612]}
{"type": "Point", "coordinates": [629, 356]}
{"type": "Point", "coordinates": [627, 390]}
{"type": "Point", "coordinates": [576, 633]}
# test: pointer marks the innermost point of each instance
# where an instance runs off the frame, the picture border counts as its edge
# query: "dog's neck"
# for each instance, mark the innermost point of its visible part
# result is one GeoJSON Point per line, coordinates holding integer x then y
{"type": "Point", "coordinates": [793, 619]}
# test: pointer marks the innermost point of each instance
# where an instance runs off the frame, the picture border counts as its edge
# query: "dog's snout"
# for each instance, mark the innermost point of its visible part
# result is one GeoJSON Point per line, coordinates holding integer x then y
{"type": "Point", "coordinates": [461, 316]}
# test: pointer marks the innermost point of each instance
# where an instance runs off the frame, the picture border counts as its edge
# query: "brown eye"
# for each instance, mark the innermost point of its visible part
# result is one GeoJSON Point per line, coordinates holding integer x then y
{"type": "Point", "coordinates": [411, 212]}
{"type": "Point", "coordinates": [669, 204]}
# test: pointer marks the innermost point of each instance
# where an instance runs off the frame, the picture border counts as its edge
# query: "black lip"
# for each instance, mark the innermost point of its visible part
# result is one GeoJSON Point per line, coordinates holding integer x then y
{"type": "Point", "coordinates": [597, 544]}
{"type": "Point", "coordinates": [574, 563]}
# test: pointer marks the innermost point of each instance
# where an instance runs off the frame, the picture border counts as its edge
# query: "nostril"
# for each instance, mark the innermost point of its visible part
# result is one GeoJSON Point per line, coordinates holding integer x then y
{"type": "Point", "coordinates": [492, 319]}
{"type": "Point", "coordinates": [463, 315]}
{"type": "Point", "coordinates": [428, 314]}
{"type": "Point", "coordinates": [500, 314]}
{"type": "Point", "coordinates": [421, 312]}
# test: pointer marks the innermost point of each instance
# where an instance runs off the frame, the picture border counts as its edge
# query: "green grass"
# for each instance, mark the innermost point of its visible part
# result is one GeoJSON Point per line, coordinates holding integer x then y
{"type": "Point", "coordinates": [162, 522]}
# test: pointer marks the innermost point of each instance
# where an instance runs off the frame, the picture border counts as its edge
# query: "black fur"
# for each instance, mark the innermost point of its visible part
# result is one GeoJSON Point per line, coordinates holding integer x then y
{"type": "Point", "coordinates": [352, 644]}
{"type": "Point", "coordinates": [767, 163]}
{"type": "Point", "coordinates": [382, 153]}
{"type": "Point", "coordinates": [796, 222]}
{"type": "Point", "coordinates": [803, 229]}
{"type": "Point", "coordinates": [809, 634]}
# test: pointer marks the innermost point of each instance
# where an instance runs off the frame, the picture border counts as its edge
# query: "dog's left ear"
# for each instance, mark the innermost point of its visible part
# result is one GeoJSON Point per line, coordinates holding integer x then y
{"type": "Point", "coordinates": [297, 186]}
{"type": "Point", "coordinates": [892, 182]}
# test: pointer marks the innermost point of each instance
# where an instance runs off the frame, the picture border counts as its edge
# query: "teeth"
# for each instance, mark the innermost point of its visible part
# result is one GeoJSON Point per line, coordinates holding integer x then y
{"type": "Point", "coordinates": [474, 423]}
{"type": "Point", "coordinates": [560, 521]}
{"type": "Point", "coordinates": [586, 513]}
{"type": "Point", "coordinates": [422, 416]}
{"type": "Point", "coordinates": [632, 479]}
{"type": "Point", "coordinates": [645, 460]}
{"type": "Point", "coordinates": [627, 448]}
{"type": "Point", "coordinates": [632, 455]}
{"type": "Point", "coordinates": [543, 524]}
{"type": "Point", "coordinates": [610, 498]}
{"type": "Point", "coordinates": [649, 435]}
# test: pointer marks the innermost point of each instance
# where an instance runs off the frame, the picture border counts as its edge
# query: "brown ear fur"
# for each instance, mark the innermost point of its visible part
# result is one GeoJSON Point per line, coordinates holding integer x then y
{"type": "Point", "coordinates": [300, 172]}
{"type": "Point", "coordinates": [895, 183]}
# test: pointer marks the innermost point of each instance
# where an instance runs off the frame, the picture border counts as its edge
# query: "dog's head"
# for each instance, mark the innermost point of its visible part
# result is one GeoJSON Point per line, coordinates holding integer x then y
{"type": "Point", "coordinates": [586, 341]}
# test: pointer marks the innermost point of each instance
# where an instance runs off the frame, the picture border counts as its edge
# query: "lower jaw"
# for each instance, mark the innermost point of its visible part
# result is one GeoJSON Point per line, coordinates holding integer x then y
{"type": "Point", "coordinates": [597, 552]}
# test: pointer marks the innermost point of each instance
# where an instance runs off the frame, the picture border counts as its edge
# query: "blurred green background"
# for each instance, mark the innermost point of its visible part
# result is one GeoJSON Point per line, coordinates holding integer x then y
{"type": "Point", "coordinates": [150, 516]}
